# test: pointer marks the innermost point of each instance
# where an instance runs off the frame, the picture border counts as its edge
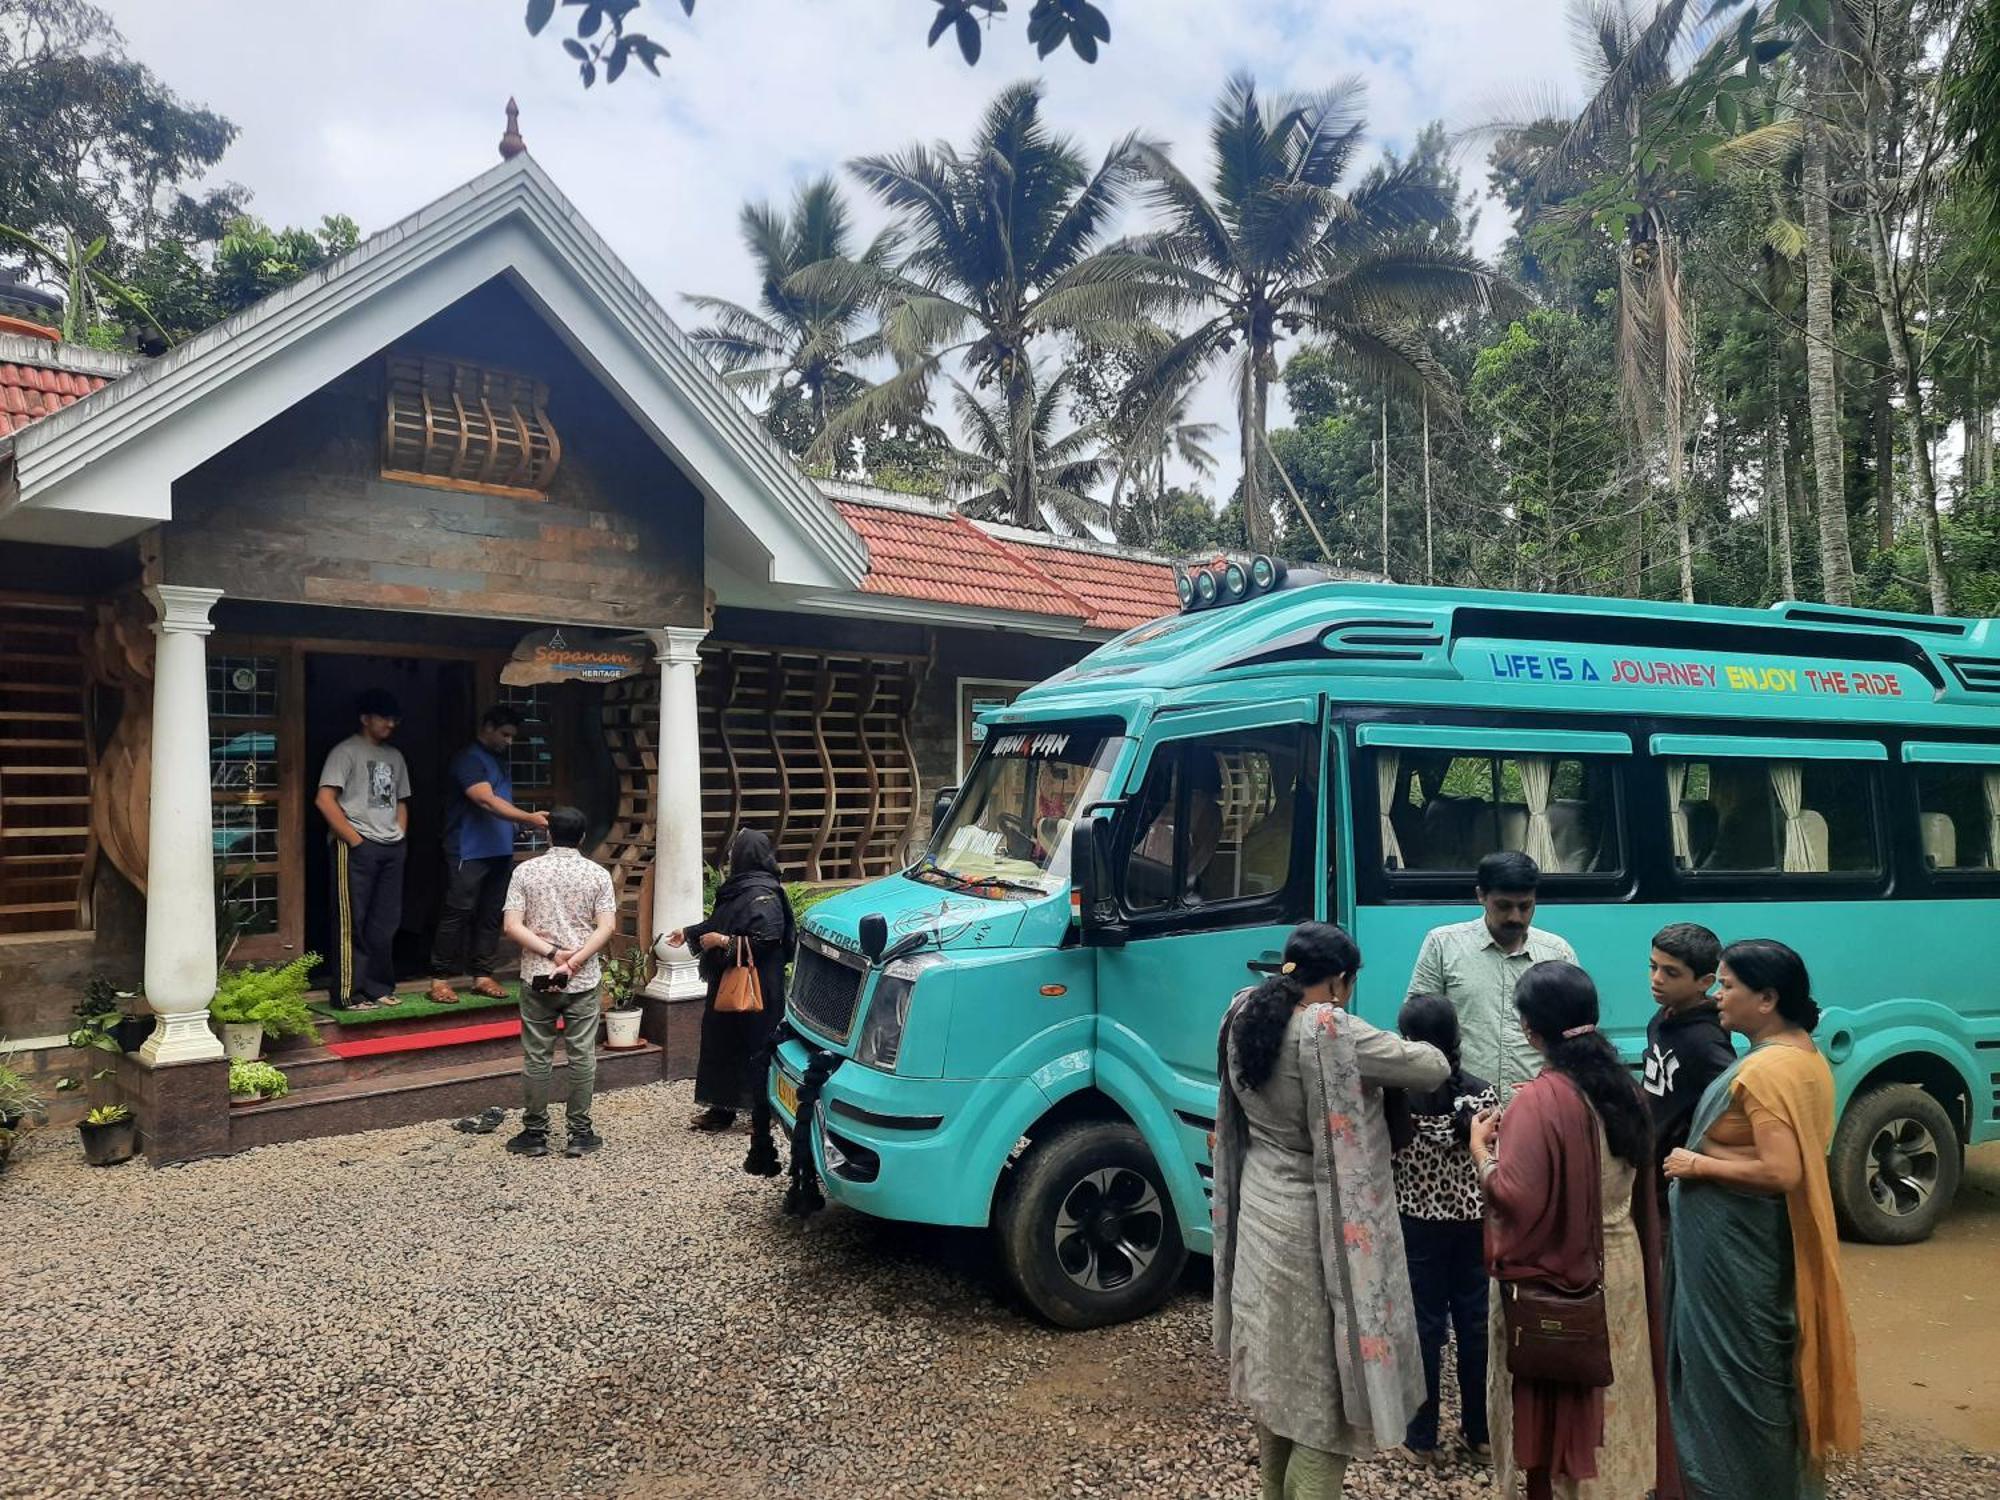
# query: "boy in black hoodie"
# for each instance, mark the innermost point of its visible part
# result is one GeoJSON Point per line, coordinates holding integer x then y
{"type": "Point", "coordinates": [1686, 1047]}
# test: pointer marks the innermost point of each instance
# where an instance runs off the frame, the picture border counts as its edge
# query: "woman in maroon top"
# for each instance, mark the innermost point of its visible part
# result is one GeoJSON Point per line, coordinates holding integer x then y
{"type": "Point", "coordinates": [1571, 1199]}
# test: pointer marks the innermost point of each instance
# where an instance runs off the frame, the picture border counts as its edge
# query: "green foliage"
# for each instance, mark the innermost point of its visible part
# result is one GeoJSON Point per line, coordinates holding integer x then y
{"type": "Point", "coordinates": [18, 1099]}
{"type": "Point", "coordinates": [603, 45]}
{"type": "Point", "coordinates": [257, 1078]}
{"type": "Point", "coordinates": [109, 1114]}
{"type": "Point", "coordinates": [271, 995]}
{"type": "Point", "coordinates": [623, 975]}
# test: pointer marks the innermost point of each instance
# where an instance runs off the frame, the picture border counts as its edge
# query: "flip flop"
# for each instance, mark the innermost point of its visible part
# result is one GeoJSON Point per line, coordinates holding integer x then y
{"type": "Point", "coordinates": [484, 1123]}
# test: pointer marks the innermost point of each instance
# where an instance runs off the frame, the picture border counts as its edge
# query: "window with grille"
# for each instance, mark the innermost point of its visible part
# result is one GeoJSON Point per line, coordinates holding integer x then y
{"type": "Point", "coordinates": [531, 759]}
{"type": "Point", "coordinates": [44, 766]}
{"type": "Point", "coordinates": [243, 784]}
{"type": "Point", "coordinates": [462, 425]}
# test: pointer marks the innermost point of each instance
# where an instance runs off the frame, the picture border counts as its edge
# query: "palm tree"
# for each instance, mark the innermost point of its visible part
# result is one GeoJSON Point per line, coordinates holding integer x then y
{"type": "Point", "coordinates": [998, 237]}
{"type": "Point", "coordinates": [981, 474]}
{"type": "Point", "coordinates": [1149, 436]}
{"type": "Point", "coordinates": [1277, 247]}
{"type": "Point", "coordinates": [1631, 61]}
{"type": "Point", "coordinates": [798, 347]}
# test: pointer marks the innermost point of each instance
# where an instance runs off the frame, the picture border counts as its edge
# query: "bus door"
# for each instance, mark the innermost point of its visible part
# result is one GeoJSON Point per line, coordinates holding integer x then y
{"type": "Point", "coordinates": [1216, 860]}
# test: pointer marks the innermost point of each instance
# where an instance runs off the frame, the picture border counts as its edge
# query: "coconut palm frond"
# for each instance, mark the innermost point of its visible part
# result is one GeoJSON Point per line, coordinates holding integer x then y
{"type": "Point", "coordinates": [1629, 61]}
{"type": "Point", "coordinates": [1395, 356]}
{"type": "Point", "coordinates": [1412, 282]}
{"type": "Point", "coordinates": [1768, 148]}
{"type": "Point", "coordinates": [1203, 238]}
{"type": "Point", "coordinates": [903, 397]}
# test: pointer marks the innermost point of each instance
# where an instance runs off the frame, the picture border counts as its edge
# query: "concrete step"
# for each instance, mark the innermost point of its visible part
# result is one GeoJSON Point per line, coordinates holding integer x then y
{"type": "Point", "coordinates": [345, 1106]}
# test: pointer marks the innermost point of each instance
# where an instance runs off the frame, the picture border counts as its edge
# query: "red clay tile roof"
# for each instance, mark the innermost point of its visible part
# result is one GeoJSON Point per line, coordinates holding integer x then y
{"type": "Point", "coordinates": [1121, 591]}
{"type": "Point", "coordinates": [945, 559]}
{"type": "Point", "coordinates": [30, 392]}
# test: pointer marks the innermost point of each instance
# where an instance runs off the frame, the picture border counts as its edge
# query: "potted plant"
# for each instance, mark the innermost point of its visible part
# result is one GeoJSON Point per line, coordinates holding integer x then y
{"type": "Point", "coordinates": [251, 1082]}
{"type": "Point", "coordinates": [19, 1105]}
{"type": "Point", "coordinates": [623, 976]}
{"type": "Point", "coordinates": [259, 1001]}
{"type": "Point", "coordinates": [106, 1012]}
{"type": "Point", "coordinates": [110, 1135]}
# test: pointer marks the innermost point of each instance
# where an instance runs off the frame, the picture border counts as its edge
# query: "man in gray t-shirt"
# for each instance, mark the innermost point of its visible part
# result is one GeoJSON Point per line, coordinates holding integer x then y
{"type": "Point", "coordinates": [364, 792]}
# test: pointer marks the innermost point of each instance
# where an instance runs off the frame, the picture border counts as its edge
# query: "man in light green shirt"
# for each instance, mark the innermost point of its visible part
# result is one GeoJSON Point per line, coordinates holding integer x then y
{"type": "Point", "coordinates": [1475, 965]}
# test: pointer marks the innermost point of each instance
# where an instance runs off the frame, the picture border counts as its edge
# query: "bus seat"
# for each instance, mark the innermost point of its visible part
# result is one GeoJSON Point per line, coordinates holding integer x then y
{"type": "Point", "coordinates": [1569, 828]}
{"type": "Point", "coordinates": [1702, 823]}
{"type": "Point", "coordinates": [1513, 825]}
{"type": "Point", "coordinates": [1447, 822]}
{"type": "Point", "coordinates": [1940, 841]}
{"type": "Point", "coordinates": [1814, 824]}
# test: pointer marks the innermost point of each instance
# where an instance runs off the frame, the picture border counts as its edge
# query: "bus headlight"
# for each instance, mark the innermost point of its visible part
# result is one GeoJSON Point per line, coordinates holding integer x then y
{"type": "Point", "coordinates": [889, 1011]}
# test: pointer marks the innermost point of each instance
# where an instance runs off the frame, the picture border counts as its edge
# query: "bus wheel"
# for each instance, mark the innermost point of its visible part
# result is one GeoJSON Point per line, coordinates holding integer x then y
{"type": "Point", "coordinates": [1895, 1165]}
{"type": "Point", "coordinates": [1087, 1230]}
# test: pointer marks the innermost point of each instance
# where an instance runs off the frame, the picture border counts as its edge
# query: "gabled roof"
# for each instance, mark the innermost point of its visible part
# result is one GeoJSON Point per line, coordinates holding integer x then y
{"type": "Point", "coordinates": [942, 558]}
{"type": "Point", "coordinates": [103, 468]}
{"type": "Point", "coordinates": [1120, 587]}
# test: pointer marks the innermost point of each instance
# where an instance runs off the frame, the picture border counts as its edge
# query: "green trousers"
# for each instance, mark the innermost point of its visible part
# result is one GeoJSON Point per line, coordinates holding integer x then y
{"type": "Point", "coordinates": [1291, 1471]}
{"type": "Point", "coordinates": [538, 1049]}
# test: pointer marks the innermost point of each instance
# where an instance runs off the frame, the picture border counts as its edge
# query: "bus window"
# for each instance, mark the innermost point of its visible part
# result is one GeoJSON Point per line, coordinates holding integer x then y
{"type": "Point", "coordinates": [1960, 816]}
{"type": "Point", "coordinates": [1446, 812]}
{"type": "Point", "coordinates": [1216, 821]}
{"type": "Point", "coordinates": [1750, 816]}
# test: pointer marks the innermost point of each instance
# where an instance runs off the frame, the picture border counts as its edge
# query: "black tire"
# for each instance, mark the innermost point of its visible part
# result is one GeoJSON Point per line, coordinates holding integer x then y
{"type": "Point", "coordinates": [1895, 1165]}
{"type": "Point", "coordinates": [1087, 1231]}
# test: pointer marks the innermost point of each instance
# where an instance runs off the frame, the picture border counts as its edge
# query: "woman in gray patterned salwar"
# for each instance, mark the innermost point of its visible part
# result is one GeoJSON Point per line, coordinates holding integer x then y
{"type": "Point", "coordinates": [1312, 1293]}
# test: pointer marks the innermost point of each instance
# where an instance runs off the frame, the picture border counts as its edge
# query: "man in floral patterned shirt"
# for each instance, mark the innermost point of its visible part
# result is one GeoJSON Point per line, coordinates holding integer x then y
{"type": "Point", "coordinates": [561, 909]}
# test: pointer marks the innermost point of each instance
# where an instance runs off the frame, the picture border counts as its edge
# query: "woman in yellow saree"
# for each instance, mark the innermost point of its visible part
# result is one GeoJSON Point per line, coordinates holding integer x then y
{"type": "Point", "coordinates": [1760, 1353]}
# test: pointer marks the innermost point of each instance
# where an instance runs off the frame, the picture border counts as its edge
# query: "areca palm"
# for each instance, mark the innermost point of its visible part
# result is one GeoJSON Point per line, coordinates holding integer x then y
{"type": "Point", "coordinates": [799, 347]}
{"type": "Point", "coordinates": [1064, 467]}
{"type": "Point", "coordinates": [1277, 247]}
{"type": "Point", "coordinates": [998, 238]}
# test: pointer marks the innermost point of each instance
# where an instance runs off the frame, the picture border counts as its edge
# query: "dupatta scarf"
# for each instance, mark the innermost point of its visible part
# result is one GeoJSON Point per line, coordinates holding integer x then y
{"type": "Point", "coordinates": [1796, 1085]}
{"type": "Point", "coordinates": [1362, 1264]}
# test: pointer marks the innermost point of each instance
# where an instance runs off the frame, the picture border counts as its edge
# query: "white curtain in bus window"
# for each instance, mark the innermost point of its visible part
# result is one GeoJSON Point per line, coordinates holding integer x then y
{"type": "Point", "coordinates": [1539, 842]}
{"type": "Point", "coordinates": [1992, 781]}
{"type": "Point", "coordinates": [1805, 832]}
{"type": "Point", "coordinates": [1677, 772]}
{"type": "Point", "coordinates": [1387, 764]}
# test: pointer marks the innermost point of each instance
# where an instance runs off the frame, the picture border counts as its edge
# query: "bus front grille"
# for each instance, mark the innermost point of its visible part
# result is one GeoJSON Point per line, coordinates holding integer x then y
{"type": "Point", "coordinates": [824, 994]}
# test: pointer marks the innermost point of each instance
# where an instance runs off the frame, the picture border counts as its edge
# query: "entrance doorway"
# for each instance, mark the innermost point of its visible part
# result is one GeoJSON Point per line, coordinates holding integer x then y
{"type": "Point", "coordinates": [437, 699]}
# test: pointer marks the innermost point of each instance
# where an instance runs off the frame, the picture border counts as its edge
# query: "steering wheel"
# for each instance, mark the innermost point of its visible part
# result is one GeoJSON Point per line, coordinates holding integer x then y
{"type": "Point", "coordinates": [1020, 837]}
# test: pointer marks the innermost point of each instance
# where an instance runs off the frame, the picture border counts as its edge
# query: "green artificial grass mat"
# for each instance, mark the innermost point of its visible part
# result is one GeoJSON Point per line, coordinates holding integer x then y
{"type": "Point", "coordinates": [414, 1005]}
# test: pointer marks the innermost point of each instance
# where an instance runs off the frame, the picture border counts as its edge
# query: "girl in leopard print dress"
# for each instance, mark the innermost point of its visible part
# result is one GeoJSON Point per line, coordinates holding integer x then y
{"type": "Point", "coordinates": [1437, 1193]}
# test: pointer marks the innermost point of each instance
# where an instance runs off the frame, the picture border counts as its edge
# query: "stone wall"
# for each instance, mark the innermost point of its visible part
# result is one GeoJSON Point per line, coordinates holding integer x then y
{"type": "Point", "coordinates": [297, 512]}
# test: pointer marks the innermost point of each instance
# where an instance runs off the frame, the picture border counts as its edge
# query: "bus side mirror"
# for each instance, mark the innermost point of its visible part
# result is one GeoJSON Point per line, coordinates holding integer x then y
{"type": "Point", "coordinates": [1102, 924]}
{"type": "Point", "coordinates": [874, 935]}
{"type": "Point", "coordinates": [941, 808]}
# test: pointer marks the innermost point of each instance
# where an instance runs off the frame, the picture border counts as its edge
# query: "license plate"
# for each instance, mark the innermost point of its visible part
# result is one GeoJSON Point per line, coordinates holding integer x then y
{"type": "Point", "coordinates": [788, 1094]}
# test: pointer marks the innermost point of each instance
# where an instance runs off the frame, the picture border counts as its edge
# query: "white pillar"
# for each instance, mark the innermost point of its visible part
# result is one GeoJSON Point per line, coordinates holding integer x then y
{"type": "Point", "coordinates": [677, 847]}
{"type": "Point", "coordinates": [180, 870]}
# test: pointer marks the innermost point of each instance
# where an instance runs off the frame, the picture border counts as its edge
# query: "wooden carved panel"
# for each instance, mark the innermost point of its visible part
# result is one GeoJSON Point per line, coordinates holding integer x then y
{"type": "Point", "coordinates": [451, 422]}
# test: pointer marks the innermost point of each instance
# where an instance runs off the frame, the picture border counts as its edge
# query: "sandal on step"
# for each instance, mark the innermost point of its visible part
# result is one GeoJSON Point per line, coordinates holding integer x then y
{"type": "Point", "coordinates": [483, 1123]}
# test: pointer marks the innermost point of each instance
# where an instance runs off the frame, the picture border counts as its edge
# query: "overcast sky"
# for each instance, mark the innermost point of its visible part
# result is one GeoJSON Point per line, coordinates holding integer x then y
{"type": "Point", "coordinates": [375, 107]}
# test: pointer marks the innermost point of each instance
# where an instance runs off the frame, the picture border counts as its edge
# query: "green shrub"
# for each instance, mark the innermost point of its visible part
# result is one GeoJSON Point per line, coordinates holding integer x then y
{"type": "Point", "coordinates": [17, 1097]}
{"type": "Point", "coordinates": [248, 1078]}
{"type": "Point", "coordinates": [271, 994]}
{"type": "Point", "coordinates": [109, 1114]}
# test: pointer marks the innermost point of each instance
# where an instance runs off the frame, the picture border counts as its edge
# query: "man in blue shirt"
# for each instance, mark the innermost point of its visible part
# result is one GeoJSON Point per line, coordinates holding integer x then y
{"type": "Point", "coordinates": [479, 824]}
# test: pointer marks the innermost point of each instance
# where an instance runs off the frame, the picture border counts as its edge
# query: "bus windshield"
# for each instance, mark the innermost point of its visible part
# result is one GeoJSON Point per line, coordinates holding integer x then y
{"type": "Point", "coordinates": [1010, 823]}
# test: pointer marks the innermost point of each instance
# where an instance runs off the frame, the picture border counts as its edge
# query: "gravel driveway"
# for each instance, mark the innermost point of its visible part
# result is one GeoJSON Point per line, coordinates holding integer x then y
{"type": "Point", "coordinates": [416, 1313]}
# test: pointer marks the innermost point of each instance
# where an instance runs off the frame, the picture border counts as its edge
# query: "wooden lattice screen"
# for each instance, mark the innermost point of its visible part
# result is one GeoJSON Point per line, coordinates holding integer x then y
{"type": "Point", "coordinates": [812, 747]}
{"type": "Point", "coordinates": [457, 424]}
{"type": "Point", "coordinates": [44, 766]}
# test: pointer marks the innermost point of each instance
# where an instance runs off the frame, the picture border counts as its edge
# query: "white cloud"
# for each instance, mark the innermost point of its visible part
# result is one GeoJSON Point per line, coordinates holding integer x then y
{"type": "Point", "coordinates": [374, 107]}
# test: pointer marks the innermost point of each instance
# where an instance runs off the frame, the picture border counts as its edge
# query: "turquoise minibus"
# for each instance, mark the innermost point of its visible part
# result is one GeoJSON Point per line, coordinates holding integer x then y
{"type": "Point", "coordinates": [1019, 1030]}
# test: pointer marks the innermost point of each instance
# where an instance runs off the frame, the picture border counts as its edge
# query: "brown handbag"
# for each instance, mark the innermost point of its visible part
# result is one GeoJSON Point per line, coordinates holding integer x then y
{"type": "Point", "coordinates": [1556, 1334]}
{"type": "Point", "coordinates": [741, 992]}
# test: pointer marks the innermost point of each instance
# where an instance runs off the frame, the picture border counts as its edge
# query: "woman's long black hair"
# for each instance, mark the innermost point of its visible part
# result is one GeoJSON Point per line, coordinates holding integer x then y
{"type": "Point", "coordinates": [1314, 952]}
{"type": "Point", "coordinates": [1558, 1002]}
{"type": "Point", "coordinates": [1766, 964]}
